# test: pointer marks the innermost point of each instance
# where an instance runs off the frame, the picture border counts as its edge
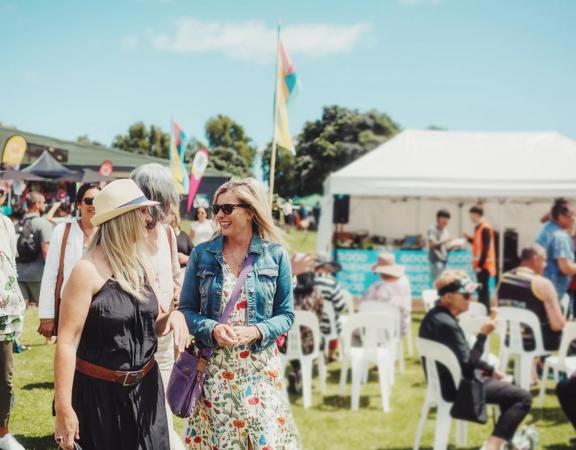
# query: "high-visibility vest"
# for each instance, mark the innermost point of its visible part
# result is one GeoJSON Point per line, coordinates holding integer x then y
{"type": "Point", "coordinates": [490, 262]}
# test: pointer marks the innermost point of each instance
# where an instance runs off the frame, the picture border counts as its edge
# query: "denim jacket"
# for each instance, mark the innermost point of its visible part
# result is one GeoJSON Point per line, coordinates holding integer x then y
{"type": "Point", "coordinates": [268, 289]}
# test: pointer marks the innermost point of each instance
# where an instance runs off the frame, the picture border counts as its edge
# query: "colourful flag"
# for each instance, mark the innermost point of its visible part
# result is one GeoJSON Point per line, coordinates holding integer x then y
{"type": "Point", "coordinates": [176, 159]}
{"type": "Point", "coordinates": [196, 173]}
{"type": "Point", "coordinates": [287, 86]}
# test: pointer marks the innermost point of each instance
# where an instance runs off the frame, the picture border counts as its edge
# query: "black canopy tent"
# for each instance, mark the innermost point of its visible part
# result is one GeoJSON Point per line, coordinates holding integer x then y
{"type": "Point", "coordinates": [47, 167]}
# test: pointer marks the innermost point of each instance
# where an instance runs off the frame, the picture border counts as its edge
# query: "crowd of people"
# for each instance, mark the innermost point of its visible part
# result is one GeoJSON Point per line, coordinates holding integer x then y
{"type": "Point", "coordinates": [121, 288]}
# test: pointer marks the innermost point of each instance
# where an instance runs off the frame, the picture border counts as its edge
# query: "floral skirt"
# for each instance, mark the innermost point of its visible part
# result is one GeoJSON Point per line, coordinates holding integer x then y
{"type": "Point", "coordinates": [244, 402]}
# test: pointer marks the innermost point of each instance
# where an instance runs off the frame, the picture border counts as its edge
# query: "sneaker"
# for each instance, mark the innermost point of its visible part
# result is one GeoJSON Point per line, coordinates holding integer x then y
{"type": "Point", "coordinates": [9, 442]}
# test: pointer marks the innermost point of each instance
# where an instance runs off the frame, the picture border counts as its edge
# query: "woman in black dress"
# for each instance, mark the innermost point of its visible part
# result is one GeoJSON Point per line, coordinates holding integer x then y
{"type": "Point", "coordinates": [109, 392]}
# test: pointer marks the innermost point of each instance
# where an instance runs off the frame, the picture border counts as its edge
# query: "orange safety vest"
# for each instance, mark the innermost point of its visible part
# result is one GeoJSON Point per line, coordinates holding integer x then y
{"type": "Point", "coordinates": [490, 262]}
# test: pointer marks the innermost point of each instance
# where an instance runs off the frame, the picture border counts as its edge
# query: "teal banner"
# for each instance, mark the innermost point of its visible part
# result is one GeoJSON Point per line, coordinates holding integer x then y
{"type": "Point", "coordinates": [356, 274]}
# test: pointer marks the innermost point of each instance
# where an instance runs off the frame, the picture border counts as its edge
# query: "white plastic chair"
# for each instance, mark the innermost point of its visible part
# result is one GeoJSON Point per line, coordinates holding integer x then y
{"type": "Point", "coordinates": [429, 297]}
{"type": "Point", "coordinates": [359, 357]}
{"type": "Point", "coordinates": [433, 353]}
{"type": "Point", "coordinates": [475, 309]}
{"type": "Point", "coordinates": [309, 320]}
{"type": "Point", "coordinates": [511, 321]}
{"type": "Point", "coordinates": [562, 362]}
{"type": "Point", "coordinates": [471, 325]}
{"type": "Point", "coordinates": [349, 300]}
{"type": "Point", "coordinates": [396, 348]}
{"type": "Point", "coordinates": [565, 303]}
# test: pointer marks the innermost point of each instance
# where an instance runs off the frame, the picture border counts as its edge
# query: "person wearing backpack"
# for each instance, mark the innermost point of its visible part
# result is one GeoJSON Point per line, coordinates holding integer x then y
{"type": "Point", "coordinates": [11, 314]}
{"type": "Point", "coordinates": [34, 234]}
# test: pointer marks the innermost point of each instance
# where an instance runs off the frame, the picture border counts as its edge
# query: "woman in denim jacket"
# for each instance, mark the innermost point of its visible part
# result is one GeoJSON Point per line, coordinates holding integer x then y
{"type": "Point", "coordinates": [243, 405]}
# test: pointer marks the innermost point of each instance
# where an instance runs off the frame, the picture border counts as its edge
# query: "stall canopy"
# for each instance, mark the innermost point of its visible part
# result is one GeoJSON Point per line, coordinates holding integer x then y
{"type": "Point", "coordinates": [48, 167]}
{"type": "Point", "coordinates": [423, 167]}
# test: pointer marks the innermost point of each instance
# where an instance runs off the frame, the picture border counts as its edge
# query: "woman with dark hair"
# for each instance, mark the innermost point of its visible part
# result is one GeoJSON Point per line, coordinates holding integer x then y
{"type": "Point", "coordinates": [70, 238]}
{"type": "Point", "coordinates": [202, 229]}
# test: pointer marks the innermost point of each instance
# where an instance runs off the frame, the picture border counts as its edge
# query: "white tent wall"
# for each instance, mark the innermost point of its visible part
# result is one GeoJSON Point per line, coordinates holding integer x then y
{"type": "Point", "coordinates": [397, 188]}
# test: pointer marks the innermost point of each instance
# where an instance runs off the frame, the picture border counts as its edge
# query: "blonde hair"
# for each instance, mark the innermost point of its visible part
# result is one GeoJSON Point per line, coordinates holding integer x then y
{"type": "Point", "coordinates": [251, 192]}
{"type": "Point", "coordinates": [175, 210]}
{"type": "Point", "coordinates": [122, 240]}
{"type": "Point", "coordinates": [449, 276]}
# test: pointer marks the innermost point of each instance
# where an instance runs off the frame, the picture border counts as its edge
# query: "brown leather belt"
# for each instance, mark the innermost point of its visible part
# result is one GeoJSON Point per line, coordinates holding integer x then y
{"type": "Point", "coordinates": [125, 378]}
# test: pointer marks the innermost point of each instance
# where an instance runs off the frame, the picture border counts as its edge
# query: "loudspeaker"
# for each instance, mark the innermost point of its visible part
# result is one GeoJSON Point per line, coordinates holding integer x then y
{"type": "Point", "coordinates": [341, 209]}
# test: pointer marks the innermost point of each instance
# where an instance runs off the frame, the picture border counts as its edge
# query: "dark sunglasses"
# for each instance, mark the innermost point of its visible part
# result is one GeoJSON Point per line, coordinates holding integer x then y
{"type": "Point", "coordinates": [88, 201]}
{"type": "Point", "coordinates": [467, 296]}
{"type": "Point", "coordinates": [227, 208]}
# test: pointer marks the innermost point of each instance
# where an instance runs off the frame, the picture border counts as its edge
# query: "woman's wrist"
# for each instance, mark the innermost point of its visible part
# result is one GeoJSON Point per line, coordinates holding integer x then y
{"type": "Point", "coordinates": [257, 333]}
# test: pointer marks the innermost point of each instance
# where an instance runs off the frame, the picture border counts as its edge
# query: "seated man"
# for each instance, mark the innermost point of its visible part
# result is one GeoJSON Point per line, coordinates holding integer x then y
{"type": "Point", "coordinates": [440, 325]}
{"type": "Point", "coordinates": [393, 287]}
{"type": "Point", "coordinates": [525, 287]}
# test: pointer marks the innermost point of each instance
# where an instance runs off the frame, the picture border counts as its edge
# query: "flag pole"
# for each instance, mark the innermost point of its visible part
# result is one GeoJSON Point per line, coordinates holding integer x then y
{"type": "Point", "coordinates": [273, 156]}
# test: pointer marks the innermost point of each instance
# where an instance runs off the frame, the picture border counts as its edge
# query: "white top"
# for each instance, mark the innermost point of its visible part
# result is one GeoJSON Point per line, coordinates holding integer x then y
{"type": "Point", "coordinates": [166, 268]}
{"type": "Point", "coordinates": [8, 238]}
{"type": "Point", "coordinates": [287, 208]}
{"type": "Point", "coordinates": [202, 231]}
{"type": "Point", "coordinates": [74, 253]}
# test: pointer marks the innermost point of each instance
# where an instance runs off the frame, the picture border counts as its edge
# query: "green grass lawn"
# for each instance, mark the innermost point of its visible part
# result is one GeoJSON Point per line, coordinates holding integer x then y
{"type": "Point", "coordinates": [329, 424]}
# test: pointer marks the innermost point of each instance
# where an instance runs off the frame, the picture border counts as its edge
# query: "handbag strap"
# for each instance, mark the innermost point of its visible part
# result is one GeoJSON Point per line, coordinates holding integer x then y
{"type": "Point", "coordinates": [60, 277]}
{"type": "Point", "coordinates": [237, 289]}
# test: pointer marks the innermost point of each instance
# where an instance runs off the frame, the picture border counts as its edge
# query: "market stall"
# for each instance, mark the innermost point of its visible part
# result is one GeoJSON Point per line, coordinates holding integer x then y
{"type": "Point", "coordinates": [395, 190]}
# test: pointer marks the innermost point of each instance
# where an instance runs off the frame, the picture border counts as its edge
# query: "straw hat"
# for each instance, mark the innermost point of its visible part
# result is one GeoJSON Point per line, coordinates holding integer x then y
{"type": "Point", "coordinates": [117, 198]}
{"type": "Point", "coordinates": [387, 265]}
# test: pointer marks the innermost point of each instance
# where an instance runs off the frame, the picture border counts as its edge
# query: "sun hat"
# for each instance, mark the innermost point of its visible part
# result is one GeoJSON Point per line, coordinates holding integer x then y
{"type": "Point", "coordinates": [387, 265]}
{"type": "Point", "coordinates": [324, 260]}
{"type": "Point", "coordinates": [461, 285]}
{"type": "Point", "coordinates": [117, 198]}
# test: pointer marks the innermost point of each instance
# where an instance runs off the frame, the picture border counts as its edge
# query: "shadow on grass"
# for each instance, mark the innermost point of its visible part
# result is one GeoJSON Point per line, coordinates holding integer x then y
{"type": "Point", "coordinates": [336, 401]}
{"type": "Point", "coordinates": [44, 385]}
{"type": "Point", "coordinates": [38, 442]}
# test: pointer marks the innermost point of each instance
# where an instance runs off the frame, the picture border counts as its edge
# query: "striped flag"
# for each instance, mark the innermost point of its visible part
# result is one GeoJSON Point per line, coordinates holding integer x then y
{"type": "Point", "coordinates": [177, 160]}
{"type": "Point", "coordinates": [287, 87]}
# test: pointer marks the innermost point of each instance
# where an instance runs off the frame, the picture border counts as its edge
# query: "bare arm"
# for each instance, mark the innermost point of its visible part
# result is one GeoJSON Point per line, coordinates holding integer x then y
{"type": "Point", "coordinates": [566, 266]}
{"type": "Point", "coordinates": [546, 291]}
{"type": "Point", "coordinates": [76, 300]}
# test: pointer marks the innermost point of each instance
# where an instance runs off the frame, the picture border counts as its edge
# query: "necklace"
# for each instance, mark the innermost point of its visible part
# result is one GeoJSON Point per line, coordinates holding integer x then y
{"type": "Point", "coordinates": [86, 237]}
{"type": "Point", "coordinates": [236, 260]}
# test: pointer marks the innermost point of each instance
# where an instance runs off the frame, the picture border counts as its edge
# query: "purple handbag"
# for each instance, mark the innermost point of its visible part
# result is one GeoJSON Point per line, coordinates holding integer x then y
{"type": "Point", "coordinates": [189, 372]}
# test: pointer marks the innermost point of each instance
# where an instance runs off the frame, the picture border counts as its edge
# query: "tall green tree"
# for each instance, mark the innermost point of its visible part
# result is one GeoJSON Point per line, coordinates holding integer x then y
{"type": "Point", "coordinates": [339, 137]}
{"type": "Point", "coordinates": [144, 141]}
{"type": "Point", "coordinates": [231, 149]}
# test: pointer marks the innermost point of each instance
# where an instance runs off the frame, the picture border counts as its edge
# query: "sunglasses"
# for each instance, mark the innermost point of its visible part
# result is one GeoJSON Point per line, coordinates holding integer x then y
{"type": "Point", "coordinates": [89, 201]}
{"type": "Point", "coordinates": [227, 208]}
{"type": "Point", "coordinates": [467, 296]}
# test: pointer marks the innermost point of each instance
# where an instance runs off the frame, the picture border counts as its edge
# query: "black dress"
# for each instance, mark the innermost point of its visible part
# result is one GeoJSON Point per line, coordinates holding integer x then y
{"type": "Point", "coordinates": [120, 334]}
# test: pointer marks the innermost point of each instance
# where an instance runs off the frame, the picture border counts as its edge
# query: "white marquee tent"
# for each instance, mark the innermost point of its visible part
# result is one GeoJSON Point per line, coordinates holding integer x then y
{"type": "Point", "coordinates": [396, 188]}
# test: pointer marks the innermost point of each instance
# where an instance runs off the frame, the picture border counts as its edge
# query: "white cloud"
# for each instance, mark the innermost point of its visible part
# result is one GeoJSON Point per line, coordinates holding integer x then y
{"type": "Point", "coordinates": [130, 42]}
{"type": "Point", "coordinates": [253, 40]}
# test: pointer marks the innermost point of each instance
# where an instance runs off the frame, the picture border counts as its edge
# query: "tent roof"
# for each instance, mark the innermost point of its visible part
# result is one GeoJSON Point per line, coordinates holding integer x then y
{"type": "Point", "coordinates": [428, 163]}
{"type": "Point", "coordinates": [89, 155]}
{"type": "Point", "coordinates": [47, 166]}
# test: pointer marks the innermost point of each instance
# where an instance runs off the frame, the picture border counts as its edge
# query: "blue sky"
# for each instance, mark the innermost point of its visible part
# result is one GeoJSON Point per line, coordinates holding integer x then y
{"type": "Point", "coordinates": [94, 67]}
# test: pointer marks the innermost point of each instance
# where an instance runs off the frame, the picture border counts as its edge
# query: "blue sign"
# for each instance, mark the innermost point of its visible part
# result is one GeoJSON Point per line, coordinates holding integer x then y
{"type": "Point", "coordinates": [356, 274]}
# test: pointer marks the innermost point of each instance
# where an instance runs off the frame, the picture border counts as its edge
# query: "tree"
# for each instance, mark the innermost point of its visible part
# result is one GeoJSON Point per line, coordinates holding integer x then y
{"type": "Point", "coordinates": [230, 148]}
{"type": "Point", "coordinates": [85, 139]}
{"type": "Point", "coordinates": [153, 142]}
{"type": "Point", "coordinates": [341, 136]}
{"type": "Point", "coordinates": [285, 180]}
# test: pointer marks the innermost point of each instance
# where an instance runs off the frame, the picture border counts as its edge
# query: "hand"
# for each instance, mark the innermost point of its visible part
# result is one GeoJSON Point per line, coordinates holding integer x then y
{"type": "Point", "coordinates": [67, 428]}
{"type": "Point", "coordinates": [488, 327]}
{"type": "Point", "coordinates": [46, 328]}
{"type": "Point", "coordinates": [302, 263]}
{"type": "Point", "coordinates": [182, 259]}
{"type": "Point", "coordinates": [247, 334]}
{"type": "Point", "coordinates": [467, 236]}
{"type": "Point", "coordinates": [500, 376]}
{"type": "Point", "coordinates": [224, 335]}
{"type": "Point", "coordinates": [178, 325]}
